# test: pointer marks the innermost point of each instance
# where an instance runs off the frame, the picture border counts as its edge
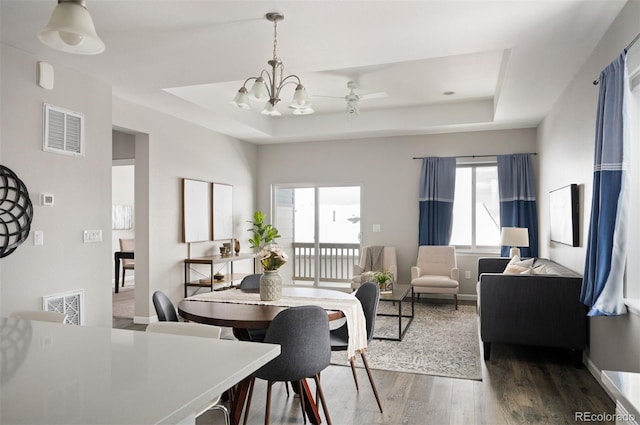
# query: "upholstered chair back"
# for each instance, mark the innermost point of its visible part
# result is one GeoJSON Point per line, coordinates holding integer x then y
{"type": "Point", "coordinates": [436, 260]}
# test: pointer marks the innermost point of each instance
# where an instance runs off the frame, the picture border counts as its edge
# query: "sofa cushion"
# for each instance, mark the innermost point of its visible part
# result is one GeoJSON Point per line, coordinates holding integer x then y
{"type": "Point", "coordinates": [518, 266]}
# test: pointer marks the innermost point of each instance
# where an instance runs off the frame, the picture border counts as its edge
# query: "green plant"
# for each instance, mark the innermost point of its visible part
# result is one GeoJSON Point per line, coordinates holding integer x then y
{"type": "Point", "coordinates": [383, 277]}
{"type": "Point", "coordinates": [262, 233]}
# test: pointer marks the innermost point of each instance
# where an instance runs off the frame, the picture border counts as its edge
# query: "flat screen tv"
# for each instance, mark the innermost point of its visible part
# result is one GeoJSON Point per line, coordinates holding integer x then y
{"type": "Point", "coordinates": [563, 208]}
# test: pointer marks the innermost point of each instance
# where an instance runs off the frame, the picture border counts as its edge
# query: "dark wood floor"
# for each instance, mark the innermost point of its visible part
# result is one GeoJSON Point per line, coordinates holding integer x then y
{"type": "Point", "coordinates": [520, 385]}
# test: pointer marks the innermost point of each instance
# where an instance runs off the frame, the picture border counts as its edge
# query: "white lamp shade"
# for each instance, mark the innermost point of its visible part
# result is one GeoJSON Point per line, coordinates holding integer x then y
{"type": "Point", "coordinates": [259, 90]}
{"type": "Point", "coordinates": [242, 99]}
{"type": "Point", "coordinates": [71, 30]}
{"type": "Point", "coordinates": [300, 98]}
{"type": "Point", "coordinates": [303, 111]}
{"type": "Point", "coordinates": [515, 236]}
{"type": "Point", "coordinates": [270, 110]}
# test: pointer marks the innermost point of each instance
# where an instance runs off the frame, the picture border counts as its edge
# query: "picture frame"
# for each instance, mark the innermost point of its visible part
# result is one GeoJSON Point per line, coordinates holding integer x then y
{"type": "Point", "coordinates": [196, 211]}
{"type": "Point", "coordinates": [563, 215]}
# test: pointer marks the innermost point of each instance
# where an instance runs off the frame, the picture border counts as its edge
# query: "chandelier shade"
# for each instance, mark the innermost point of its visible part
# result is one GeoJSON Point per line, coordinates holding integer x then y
{"type": "Point", "coordinates": [269, 83]}
{"type": "Point", "coordinates": [71, 29]}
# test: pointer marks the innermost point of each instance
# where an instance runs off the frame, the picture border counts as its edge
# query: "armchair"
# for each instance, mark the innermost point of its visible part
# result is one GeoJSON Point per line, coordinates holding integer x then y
{"type": "Point", "coordinates": [367, 264]}
{"type": "Point", "coordinates": [436, 272]}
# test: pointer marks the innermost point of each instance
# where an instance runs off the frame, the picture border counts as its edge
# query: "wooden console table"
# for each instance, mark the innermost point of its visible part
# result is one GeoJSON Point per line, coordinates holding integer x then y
{"type": "Point", "coordinates": [211, 261]}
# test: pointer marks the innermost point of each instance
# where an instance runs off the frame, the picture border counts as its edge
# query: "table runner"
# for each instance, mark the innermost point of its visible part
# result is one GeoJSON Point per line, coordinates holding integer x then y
{"type": "Point", "coordinates": [350, 307]}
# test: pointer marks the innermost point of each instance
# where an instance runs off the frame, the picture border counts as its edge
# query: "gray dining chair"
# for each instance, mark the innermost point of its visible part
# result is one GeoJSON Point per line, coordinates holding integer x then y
{"type": "Point", "coordinates": [165, 310]}
{"type": "Point", "coordinates": [369, 295]}
{"type": "Point", "coordinates": [305, 351]}
{"type": "Point", "coordinates": [250, 283]}
{"type": "Point", "coordinates": [196, 330]}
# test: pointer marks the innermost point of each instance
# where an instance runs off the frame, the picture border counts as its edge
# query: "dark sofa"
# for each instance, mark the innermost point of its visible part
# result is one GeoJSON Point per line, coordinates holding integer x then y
{"type": "Point", "coordinates": [541, 310]}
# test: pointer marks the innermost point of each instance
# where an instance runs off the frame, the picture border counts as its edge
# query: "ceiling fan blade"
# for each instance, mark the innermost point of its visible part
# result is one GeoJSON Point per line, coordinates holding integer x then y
{"type": "Point", "coordinates": [330, 97]}
{"type": "Point", "coordinates": [376, 95]}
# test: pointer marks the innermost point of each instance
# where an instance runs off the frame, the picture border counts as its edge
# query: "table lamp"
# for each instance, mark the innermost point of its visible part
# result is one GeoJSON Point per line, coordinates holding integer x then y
{"type": "Point", "coordinates": [514, 237]}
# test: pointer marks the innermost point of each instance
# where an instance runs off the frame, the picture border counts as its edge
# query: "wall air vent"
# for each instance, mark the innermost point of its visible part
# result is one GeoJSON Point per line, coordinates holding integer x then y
{"type": "Point", "coordinates": [63, 131]}
{"type": "Point", "coordinates": [69, 303]}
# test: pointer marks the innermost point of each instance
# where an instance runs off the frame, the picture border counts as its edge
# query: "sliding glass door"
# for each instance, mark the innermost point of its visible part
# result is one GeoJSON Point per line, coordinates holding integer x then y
{"type": "Point", "coordinates": [320, 228]}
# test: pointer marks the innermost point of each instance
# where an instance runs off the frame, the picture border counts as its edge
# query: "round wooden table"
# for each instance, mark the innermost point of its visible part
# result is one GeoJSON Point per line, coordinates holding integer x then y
{"type": "Point", "coordinates": [250, 316]}
{"type": "Point", "coordinates": [241, 317]}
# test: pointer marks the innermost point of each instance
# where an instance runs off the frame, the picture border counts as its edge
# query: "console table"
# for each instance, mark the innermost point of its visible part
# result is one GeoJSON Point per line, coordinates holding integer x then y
{"type": "Point", "coordinates": [211, 262]}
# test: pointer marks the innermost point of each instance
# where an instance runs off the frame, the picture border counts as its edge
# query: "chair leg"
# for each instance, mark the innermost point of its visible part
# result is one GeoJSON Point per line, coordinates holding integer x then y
{"type": "Point", "coordinates": [322, 400]}
{"type": "Point", "coordinates": [249, 396]}
{"type": "Point", "coordinates": [123, 272]}
{"type": "Point", "coordinates": [352, 361]}
{"type": "Point", "coordinates": [373, 385]}
{"type": "Point", "coordinates": [300, 391]}
{"type": "Point", "coordinates": [267, 412]}
{"type": "Point", "coordinates": [455, 300]}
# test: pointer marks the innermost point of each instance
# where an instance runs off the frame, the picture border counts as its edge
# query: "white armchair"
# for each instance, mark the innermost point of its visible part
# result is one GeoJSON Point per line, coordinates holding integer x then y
{"type": "Point", "coordinates": [436, 272]}
{"type": "Point", "coordinates": [389, 264]}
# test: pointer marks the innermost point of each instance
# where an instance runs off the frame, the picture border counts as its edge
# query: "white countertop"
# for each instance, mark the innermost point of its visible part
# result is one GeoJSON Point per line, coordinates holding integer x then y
{"type": "Point", "coordinates": [625, 388]}
{"type": "Point", "coordinates": [64, 374]}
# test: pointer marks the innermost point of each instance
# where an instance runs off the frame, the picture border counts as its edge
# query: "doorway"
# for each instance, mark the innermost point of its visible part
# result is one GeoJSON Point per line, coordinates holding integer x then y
{"type": "Point", "coordinates": [320, 232]}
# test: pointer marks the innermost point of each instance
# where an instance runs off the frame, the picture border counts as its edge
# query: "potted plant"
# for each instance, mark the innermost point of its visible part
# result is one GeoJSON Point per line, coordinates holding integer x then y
{"type": "Point", "coordinates": [262, 233]}
{"type": "Point", "coordinates": [272, 257]}
{"type": "Point", "coordinates": [384, 279]}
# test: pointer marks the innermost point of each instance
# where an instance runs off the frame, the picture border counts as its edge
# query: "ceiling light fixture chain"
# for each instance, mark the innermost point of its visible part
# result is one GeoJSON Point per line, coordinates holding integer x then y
{"type": "Point", "coordinates": [269, 90]}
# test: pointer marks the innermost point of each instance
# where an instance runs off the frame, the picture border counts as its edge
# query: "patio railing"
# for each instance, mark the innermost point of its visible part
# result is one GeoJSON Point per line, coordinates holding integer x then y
{"type": "Point", "coordinates": [336, 261]}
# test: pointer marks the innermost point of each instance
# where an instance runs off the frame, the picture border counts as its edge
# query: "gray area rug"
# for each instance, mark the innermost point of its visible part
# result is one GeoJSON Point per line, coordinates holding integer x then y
{"type": "Point", "coordinates": [440, 341]}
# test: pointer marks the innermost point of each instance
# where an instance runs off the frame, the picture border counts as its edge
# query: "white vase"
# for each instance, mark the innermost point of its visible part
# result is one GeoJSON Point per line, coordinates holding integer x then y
{"type": "Point", "coordinates": [270, 285]}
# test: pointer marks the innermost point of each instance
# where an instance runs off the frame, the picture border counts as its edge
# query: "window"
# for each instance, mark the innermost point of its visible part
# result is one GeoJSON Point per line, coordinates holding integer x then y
{"type": "Point", "coordinates": [476, 207]}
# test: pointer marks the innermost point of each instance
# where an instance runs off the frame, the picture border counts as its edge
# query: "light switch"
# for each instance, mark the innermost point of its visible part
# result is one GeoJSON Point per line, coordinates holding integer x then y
{"type": "Point", "coordinates": [38, 237]}
{"type": "Point", "coordinates": [92, 236]}
{"type": "Point", "coordinates": [376, 228]}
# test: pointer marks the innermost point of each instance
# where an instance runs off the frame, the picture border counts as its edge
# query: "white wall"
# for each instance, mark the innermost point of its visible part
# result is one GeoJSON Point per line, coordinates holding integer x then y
{"type": "Point", "coordinates": [81, 186]}
{"type": "Point", "coordinates": [566, 146]}
{"type": "Point", "coordinates": [175, 150]}
{"type": "Point", "coordinates": [389, 178]}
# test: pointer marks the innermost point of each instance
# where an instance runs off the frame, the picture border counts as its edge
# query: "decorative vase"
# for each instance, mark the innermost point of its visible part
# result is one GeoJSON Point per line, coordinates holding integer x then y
{"type": "Point", "coordinates": [236, 246]}
{"type": "Point", "coordinates": [270, 285]}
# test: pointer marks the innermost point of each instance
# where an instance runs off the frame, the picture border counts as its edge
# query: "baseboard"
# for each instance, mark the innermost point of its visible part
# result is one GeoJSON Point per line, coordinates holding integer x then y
{"type": "Point", "coordinates": [143, 320]}
{"type": "Point", "coordinates": [596, 373]}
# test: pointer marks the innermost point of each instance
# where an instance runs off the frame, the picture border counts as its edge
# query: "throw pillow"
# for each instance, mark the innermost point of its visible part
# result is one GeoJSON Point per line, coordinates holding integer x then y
{"type": "Point", "coordinates": [522, 263]}
{"type": "Point", "coordinates": [516, 269]}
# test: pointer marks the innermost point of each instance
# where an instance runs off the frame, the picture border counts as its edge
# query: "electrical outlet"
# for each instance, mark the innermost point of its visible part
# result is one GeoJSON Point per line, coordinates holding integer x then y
{"type": "Point", "coordinates": [467, 274]}
{"type": "Point", "coordinates": [376, 228]}
{"type": "Point", "coordinates": [92, 236]}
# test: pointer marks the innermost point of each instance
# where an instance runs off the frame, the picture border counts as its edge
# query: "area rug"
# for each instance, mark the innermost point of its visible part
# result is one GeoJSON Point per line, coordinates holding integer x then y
{"type": "Point", "coordinates": [124, 301]}
{"type": "Point", "coordinates": [440, 341]}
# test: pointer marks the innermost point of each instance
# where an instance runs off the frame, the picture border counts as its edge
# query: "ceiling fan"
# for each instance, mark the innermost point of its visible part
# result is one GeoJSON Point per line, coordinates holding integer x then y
{"type": "Point", "coordinates": [352, 98]}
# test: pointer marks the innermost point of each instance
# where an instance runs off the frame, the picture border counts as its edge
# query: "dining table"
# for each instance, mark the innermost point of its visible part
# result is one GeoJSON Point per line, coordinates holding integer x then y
{"type": "Point", "coordinates": [243, 310]}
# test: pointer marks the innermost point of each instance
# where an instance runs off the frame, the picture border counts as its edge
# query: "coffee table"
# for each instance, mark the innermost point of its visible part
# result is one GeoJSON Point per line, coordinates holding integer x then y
{"type": "Point", "coordinates": [399, 293]}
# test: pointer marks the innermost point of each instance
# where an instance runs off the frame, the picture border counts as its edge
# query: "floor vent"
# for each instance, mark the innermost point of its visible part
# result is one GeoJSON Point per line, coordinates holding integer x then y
{"type": "Point", "coordinates": [70, 303]}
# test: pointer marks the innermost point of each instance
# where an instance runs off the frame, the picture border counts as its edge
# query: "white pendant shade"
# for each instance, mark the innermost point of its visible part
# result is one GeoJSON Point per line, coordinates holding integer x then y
{"type": "Point", "coordinates": [71, 30]}
{"type": "Point", "coordinates": [242, 99]}
{"type": "Point", "coordinates": [300, 98]}
{"type": "Point", "coordinates": [259, 90]}
{"type": "Point", "coordinates": [270, 110]}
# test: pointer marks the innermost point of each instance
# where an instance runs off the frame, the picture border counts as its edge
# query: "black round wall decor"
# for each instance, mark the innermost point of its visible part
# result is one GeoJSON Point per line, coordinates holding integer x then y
{"type": "Point", "coordinates": [16, 211]}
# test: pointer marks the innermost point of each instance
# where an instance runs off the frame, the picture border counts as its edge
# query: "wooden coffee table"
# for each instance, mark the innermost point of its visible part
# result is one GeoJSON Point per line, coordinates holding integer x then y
{"type": "Point", "coordinates": [399, 293]}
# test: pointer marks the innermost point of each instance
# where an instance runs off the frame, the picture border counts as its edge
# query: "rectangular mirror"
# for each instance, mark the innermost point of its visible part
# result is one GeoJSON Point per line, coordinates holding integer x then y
{"type": "Point", "coordinates": [196, 210]}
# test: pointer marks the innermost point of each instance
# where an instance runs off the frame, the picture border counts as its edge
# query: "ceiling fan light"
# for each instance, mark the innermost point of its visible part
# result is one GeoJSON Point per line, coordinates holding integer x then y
{"type": "Point", "coordinates": [71, 29]}
{"type": "Point", "coordinates": [259, 90]}
{"type": "Point", "coordinates": [270, 110]}
{"type": "Point", "coordinates": [242, 99]}
{"type": "Point", "coordinates": [300, 97]}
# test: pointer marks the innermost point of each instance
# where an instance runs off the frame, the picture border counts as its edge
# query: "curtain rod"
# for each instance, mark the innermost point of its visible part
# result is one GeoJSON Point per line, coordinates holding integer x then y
{"type": "Point", "coordinates": [473, 156]}
{"type": "Point", "coordinates": [626, 49]}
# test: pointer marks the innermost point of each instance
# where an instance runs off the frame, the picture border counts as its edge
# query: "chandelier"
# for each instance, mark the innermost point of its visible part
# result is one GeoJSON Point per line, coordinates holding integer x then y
{"type": "Point", "coordinates": [269, 83]}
